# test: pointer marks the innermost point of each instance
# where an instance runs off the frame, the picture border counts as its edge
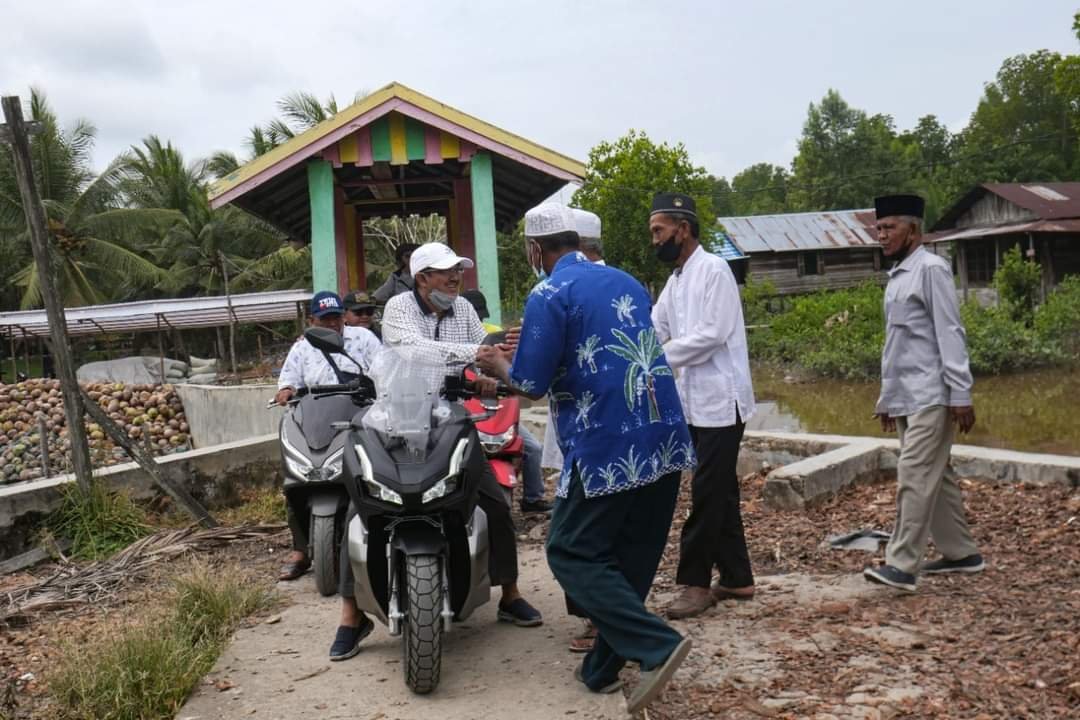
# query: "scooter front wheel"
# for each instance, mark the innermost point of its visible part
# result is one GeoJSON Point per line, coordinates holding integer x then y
{"type": "Point", "coordinates": [423, 622]}
{"type": "Point", "coordinates": [324, 564]}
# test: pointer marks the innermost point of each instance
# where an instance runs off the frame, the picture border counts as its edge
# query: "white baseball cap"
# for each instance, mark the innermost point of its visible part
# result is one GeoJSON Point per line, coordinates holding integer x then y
{"type": "Point", "coordinates": [588, 224]}
{"type": "Point", "coordinates": [549, 219]}
{"type": "Point", "coordinates": [435, 256]}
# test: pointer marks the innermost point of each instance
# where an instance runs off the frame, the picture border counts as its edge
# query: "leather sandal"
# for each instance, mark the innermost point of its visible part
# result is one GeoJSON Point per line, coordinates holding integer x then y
{"type": "Point", "coordinates": [293, 570]}
{"type": "Point", "coordinates": [584, 642]}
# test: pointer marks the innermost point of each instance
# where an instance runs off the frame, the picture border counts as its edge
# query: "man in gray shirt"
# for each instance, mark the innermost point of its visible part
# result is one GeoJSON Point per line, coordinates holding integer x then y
{"type": "Point", "coordinates": [925, 390]}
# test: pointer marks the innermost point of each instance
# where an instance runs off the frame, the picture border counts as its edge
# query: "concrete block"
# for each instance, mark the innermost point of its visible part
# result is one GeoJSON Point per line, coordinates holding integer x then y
{"type": "Point", "coordinates": [227, 413]}
{"type": "Point", "coordinates": [796, 486]}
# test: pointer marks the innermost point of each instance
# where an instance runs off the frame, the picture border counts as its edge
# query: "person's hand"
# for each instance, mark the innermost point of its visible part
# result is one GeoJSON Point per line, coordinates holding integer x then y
{"type": "Point", "coordinates": [491, 360]}
{"type": "Point", "coordinates": [964, 417]}
{"type": "Point", "coordinates": [888, 424]}
{"type": "Point", "coordinates": [486, 387]}
{"type": "Point", "coordinates": [283, 395]}
{"type": "Point", "coordinates": [513, 335]}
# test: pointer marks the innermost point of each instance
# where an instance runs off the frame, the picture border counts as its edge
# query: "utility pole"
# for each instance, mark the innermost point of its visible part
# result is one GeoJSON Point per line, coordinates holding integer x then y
{"type": "Point", "coordinates": [17, 133]}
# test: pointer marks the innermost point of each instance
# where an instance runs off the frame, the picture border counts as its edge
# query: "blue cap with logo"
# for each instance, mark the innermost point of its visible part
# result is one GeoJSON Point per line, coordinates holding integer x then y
{"type": "Point", "coordinates": [325, 302]}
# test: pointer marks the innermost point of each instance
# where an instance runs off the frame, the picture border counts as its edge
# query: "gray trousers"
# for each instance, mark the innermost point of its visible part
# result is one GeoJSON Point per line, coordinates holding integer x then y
{"type": "Point", "coordinates": [929, 503]}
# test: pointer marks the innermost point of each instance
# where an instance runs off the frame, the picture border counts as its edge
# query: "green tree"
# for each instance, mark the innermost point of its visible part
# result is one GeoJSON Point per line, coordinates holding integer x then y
{"type": "Point", "coordinates": [1024, 126]}
{"type": "Point", "coordinates": [760, 189]}
{"type": "Point", "coordinates": [620, 181]}
{"type": "Point", "coordinates": [845, 157]}
{"type": "Point", "coordinates": [1017, 282]}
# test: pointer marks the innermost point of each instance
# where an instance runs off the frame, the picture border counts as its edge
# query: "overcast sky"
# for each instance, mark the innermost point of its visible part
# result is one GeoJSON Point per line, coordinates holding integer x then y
{"type": "Point", "coordinates": [731, 80]}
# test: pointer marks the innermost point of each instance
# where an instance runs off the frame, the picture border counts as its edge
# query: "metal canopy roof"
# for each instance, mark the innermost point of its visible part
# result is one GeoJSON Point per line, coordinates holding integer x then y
{"type": "Point", "coordinates": [832, 230]}
{"type": "Point", "coordinates": [143, 316]}
{"type": "Point", "coordinates": [1046, 201]}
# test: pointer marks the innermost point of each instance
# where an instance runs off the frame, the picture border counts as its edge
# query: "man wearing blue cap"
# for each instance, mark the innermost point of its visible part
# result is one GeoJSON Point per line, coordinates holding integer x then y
{"type": "Point", "coordinates": [305, 366]}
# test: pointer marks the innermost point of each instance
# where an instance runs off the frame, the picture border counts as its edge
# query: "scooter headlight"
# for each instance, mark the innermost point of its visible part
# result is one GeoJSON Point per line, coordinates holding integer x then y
{"type": "Point", "coordinates": [440, 489]}
{"type": "Point", "coordinates": [495, 443]}
{"type": "Point", "coordinates": [375, 488]}
{"type": "Point", "coordinates": [295, 461]}
{"type": "Point", "coordinates": [331, 469]}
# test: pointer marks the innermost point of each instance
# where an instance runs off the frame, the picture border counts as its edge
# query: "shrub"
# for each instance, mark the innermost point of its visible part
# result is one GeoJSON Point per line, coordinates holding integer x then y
{"type": "Point", "coordinates": [1017, 282]}
{"type": "Point", "coordinates": [999, 343]}
{"type": "Point", "coordinates": [98, 522]}
{"type": "Point", "coordinates": [145, 671]}
{"type": "Point", "coordinates": [1057, 321]}
{"type": "Point", "coordinates": [836, 333]}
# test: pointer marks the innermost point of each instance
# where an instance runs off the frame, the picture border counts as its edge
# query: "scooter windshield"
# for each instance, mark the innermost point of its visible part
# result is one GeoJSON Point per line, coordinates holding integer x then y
{"type": "Point", "coordinates": [408, 402]}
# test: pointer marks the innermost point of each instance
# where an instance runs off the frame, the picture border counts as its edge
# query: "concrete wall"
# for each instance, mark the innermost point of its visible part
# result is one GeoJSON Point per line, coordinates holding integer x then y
{"type": "Point", "coordinates": [224, 414]}
{"type": "Point", "coordinates": [212, 474]}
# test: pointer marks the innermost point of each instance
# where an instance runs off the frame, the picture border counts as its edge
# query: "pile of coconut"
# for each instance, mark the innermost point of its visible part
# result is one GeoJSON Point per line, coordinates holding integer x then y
{"type": "Point", "coordinates": [150, 414]}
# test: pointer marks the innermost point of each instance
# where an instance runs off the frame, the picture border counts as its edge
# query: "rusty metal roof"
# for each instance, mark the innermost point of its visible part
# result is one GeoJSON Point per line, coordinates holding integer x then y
{"type": "Point", "coordinates": [831, 230]}
{"type": "Point", "coordinates": [1045, 200]}
{"type": "Point", "coordinates": [152, 315]}
{"type": "Point", "coordinates": [1068, 225]}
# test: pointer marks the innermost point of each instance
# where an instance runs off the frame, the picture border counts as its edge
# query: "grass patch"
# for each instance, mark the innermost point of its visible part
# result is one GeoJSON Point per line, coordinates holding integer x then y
{"type": "Point", "coordinates": [147, 669]}
{"type": "Point", "coordinates": [98, 521]}
{"type": "Point", "coordinates": [258, 506]}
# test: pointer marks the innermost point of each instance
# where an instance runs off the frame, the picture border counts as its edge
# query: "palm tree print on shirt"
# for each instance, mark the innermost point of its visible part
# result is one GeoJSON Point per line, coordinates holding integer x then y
{"type": "Point", "coordinates": [584, 405]}
{"type": "Point", "coordinates": [586, 353]}
{"type": "Point", "coordinates": [641, 369]}
{"type": "Point", "coordinates": [624, 309]}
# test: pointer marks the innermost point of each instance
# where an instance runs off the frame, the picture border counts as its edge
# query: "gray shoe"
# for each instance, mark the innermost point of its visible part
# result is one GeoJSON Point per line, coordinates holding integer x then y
{"type": "Point", "coordinates": [970, 564]}
{"type": "Point", "coordinates": [653, 681]}
{"type": "Point", "coordinates": [606, 690]}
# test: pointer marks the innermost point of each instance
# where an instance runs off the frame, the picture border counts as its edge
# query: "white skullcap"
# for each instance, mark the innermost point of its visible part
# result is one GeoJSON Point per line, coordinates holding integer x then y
{"type": "Point", "coordinates": [549, 219]}
{"type": "Point", "coordinates": [588, 224]}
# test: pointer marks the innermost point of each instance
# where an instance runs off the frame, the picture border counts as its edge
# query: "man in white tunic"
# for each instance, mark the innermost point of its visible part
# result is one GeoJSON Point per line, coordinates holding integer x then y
{"type": "Point", "coordinates": [925, 391]}
{"type": "Point", "coordinates": [699, 319]}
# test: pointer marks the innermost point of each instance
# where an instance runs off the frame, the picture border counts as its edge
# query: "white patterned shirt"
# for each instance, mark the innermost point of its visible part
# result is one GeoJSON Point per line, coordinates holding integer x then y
{"type": "Point", "coordinates": [452, 339]}
{"type": "Point", "coordinates": [305, 365]}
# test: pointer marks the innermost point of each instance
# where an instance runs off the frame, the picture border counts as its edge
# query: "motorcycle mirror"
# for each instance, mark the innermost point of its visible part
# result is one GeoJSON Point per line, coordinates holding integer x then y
{"type": "Point", "coordinates": [325, 339]}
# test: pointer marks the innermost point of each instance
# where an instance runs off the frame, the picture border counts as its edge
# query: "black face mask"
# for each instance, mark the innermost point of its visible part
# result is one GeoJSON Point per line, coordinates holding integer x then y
{"type": "Point", "coordinates": [668, 251]}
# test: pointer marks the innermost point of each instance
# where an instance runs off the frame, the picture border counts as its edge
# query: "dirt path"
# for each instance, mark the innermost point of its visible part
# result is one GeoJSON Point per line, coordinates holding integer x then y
{"type": "Point", "coordinates": [490, 669]}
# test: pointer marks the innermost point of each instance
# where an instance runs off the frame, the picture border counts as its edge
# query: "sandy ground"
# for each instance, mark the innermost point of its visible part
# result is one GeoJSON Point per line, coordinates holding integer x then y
{"type": "Point", "coordinates": [490, 669]}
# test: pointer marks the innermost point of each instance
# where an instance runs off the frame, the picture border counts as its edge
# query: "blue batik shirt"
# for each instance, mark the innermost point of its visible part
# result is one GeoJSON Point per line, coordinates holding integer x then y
{"type": "Point", "coordinates": [587, 340]}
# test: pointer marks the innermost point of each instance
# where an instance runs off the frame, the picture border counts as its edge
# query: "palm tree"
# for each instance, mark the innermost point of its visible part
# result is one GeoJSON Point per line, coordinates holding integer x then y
{"type": "Point", "coordinates": [584, 406]}
{"type": "Point", "coordinates": [624, 309]}
{"type": "Point", "coordinates": [586, 353]}
{"type": "Point", "coordinates": [641, 357]}
{"type": "Point", "coordinates": [100, 245]}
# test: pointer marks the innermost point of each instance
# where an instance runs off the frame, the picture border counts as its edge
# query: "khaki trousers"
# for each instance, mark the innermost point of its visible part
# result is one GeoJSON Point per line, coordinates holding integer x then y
{"type": "Point", "coordinates": [929, 503]}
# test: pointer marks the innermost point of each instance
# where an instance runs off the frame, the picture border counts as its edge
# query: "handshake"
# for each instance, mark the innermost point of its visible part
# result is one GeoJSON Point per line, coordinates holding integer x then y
{"type": "Point", "coordinates": [495, 360]}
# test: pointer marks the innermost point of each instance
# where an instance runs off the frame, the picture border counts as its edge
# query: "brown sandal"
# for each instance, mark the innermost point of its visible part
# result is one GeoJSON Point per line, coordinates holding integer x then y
{"type": "Point", "coordinates": [293, 570]}
{"type": "Point", "coordinates": [584, 642]}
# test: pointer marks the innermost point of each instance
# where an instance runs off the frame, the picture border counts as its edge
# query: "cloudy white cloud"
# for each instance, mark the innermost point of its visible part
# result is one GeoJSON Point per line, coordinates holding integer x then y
{"type": "Point", "coordinates": [730, 80]}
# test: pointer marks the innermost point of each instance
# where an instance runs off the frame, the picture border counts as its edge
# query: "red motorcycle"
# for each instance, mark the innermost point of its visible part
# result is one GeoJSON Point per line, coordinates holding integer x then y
{"type": "Point", "coordinates": [499, 436]}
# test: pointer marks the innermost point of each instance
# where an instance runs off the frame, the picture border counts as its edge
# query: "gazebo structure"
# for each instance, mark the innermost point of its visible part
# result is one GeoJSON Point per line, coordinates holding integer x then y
{"type": "Point", "coordinates": [397, 152]}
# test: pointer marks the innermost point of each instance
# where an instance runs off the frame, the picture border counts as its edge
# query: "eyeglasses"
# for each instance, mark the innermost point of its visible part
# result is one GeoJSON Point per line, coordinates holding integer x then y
{"type": "Point", "coordinates": [457, 270]}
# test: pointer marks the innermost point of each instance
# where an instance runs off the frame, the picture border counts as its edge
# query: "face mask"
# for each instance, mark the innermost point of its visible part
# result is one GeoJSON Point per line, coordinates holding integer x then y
{"type": "Point", "coordinates": [441, 301]}
{"type": "Point", "coordinates": [668, 251]}
{"type": "Point", "coordinates": [538, 269]}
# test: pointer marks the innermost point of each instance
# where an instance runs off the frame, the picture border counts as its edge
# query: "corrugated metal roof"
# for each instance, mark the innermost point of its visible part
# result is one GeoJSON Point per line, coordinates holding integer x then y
{"type": "Point", "coordinates": [1047, 200]}
{"type": "Point", "coordinates": [723, 247]}
{"type": "Point", "coordinates": [183, 313]}
{"type": "Point", "coordinates": [1068, 225]}
{"type": "Point", "coordinates": [802, 231]}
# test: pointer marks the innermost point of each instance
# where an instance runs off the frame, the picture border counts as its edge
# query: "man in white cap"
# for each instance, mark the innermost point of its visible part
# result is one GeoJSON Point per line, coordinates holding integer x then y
{"type": "Point", "coordinates": [588, 227]}
{"type": "Point", "coordinates": [587, 339]}
{"type": "Point", "coordinates": [435, 322]}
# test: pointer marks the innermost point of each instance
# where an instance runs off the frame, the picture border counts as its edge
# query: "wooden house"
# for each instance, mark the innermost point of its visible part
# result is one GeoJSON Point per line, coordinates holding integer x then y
{"type": "Point", "coordinates": [1043, 219]}
{"type": "Point", "coordinates": [804, 252]}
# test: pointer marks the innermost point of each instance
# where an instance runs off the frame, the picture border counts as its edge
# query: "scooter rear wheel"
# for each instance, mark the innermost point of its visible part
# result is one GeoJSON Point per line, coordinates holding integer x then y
{"type": "Point", "coordinates": [324, 565]}
{"type": "Point", "coordinates": [423, 622]}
